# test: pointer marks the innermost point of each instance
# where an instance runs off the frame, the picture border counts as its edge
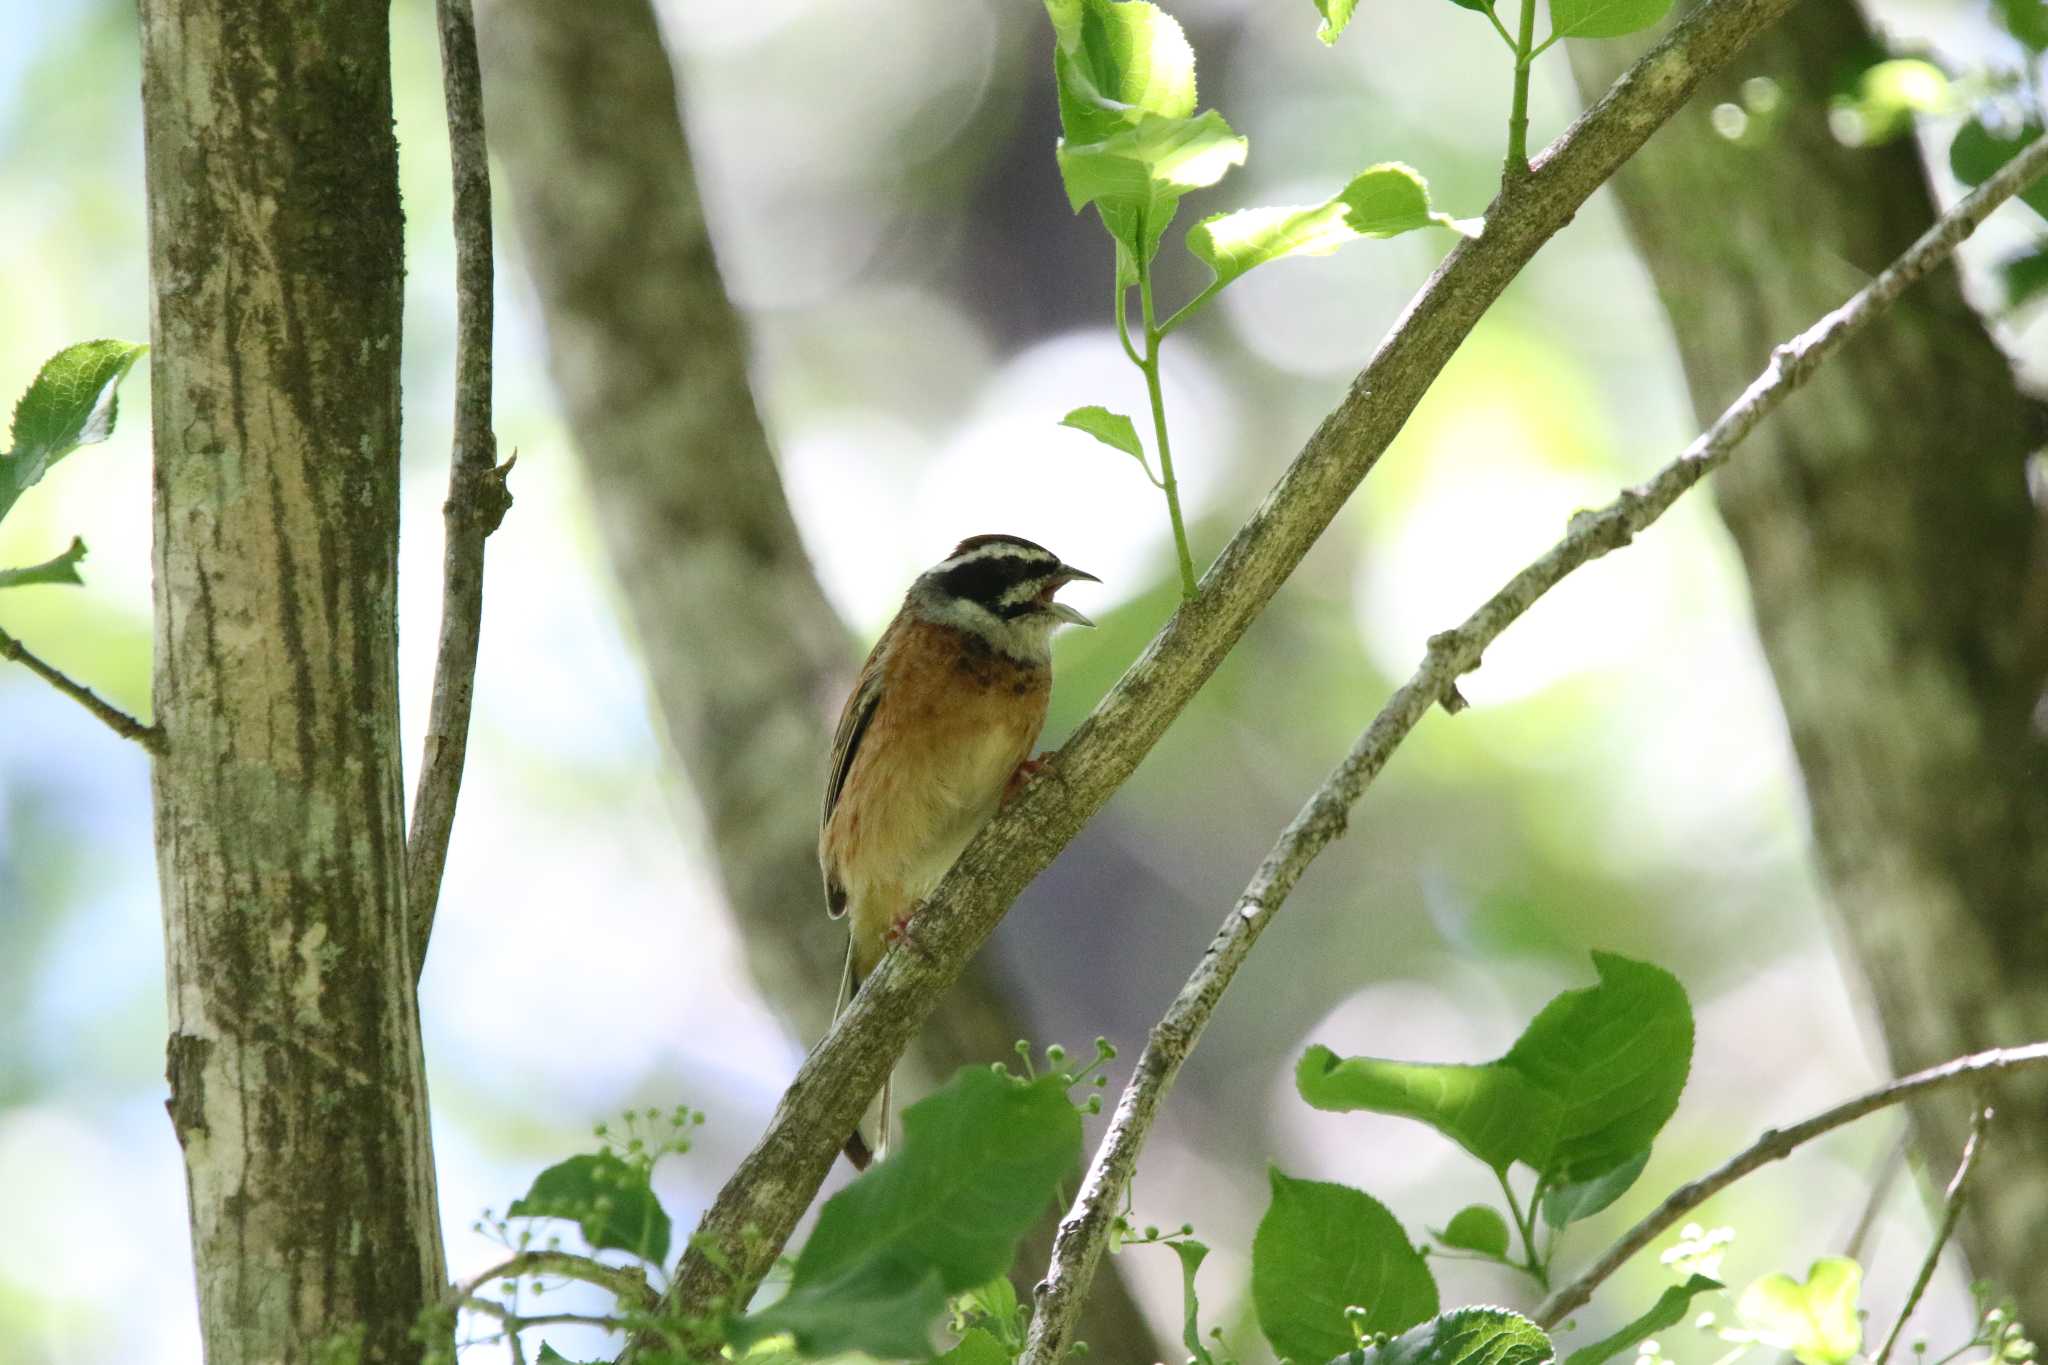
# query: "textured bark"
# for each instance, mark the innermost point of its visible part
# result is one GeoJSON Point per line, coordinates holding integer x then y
{"type": "Point", "coordinates": [1884, 521]}
{"type": "Point", "coordinates": [747, 658]}
{"type": "Point", "coordinates": [297, 1086]}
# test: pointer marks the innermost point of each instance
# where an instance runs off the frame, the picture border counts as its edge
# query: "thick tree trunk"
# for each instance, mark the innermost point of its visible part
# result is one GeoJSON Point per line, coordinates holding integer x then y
{"type": "Point", "coordinates": [297, 1085]}
{"type": "Point", "coordinates": [1884, 521]}
{"type": "Point", "coordinates": [747, 658]}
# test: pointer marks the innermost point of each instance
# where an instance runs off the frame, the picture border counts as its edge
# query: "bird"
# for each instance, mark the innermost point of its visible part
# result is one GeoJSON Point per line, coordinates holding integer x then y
{"type": "Point", "coordinates": [936, 735]}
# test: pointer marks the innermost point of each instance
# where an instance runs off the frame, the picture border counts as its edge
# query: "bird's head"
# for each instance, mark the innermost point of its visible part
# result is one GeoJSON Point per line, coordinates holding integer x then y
{"type": "Point", "coordinates": [1001, 588]}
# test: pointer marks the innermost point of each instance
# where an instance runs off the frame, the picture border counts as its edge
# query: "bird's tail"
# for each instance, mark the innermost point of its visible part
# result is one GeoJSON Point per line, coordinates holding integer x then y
{"type": "Point", "coordinates": [857, 1150]}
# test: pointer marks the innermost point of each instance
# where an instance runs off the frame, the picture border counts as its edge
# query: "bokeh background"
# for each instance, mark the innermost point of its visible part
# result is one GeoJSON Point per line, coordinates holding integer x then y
{"type": "Point", "coordinates": [925, 308]}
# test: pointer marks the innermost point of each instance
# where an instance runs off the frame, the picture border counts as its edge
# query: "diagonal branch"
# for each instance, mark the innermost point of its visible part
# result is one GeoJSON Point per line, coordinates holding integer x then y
{"type": "Point", "coordinates": [759, 1205]}
{"type": "Point", "coordinates": [120, 722]}
{"type": "Point", "coordinates": [1451, 654]}
{"type": "Point", "coordinates": [477, 497]}
{"type": "Point", "coordinates": [1775, 1146]}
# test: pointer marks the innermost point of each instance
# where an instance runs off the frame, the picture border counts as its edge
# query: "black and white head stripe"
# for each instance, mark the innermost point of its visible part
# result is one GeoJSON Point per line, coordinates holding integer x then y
{"type": "Point", "coordinates": [1005, 574]}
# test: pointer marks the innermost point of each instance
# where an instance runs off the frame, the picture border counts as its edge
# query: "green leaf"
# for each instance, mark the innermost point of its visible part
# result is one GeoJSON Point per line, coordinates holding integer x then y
{"type": "Point", "coordinates": [1571, 1201]}
{"type": "Point", "coordinates": [1976, 153]}
{"type": "Point", "coordinates": [1382, 201]}
{"type": "Point", "coordinates": [1668, 1311]}
{"type": "Point", "coordinates": [1603, 18]}
{"type": "Point", "coordinates": [1815, 1321]}
{"type": "Point", "coordinates": [1889, 93]}
{"type": "Point", "coordinates": [1133, 144]}
{"type": "Point", "coordinates": [1336, 16]}
{"type": "Point", "coordinates": [1477, 1227]}
{"type": "Point", "coordinates": [70, 404]}
{"type": "Point", "coordinates": [979, 1162]}
{"type": "Point", "coordinates": [550, 1356]}
{"type": "Point", "coordinates": [1491, 1111]}
{"type": "Point", "coordinates": [1323, 1248]}
{"type": "Point", "coordinates": [1147, 168]}
{"type": "Point", "coordinates": [976, 1348]}
{"type": "Point", "coordinates": [62, 569]}
{"type": "Point", "coordinates": [1191, 1255]}
{"type": "Point", "coordinates": [2026, 20]}
{"type": "Point", "coordinates": [1113, 429]}
{"type": "Point", "coordinates": [609, 1197]}
{"type": "Point", "coordinates": [1616, 1055]}
{"type": "Point", "coordinates": [2025, 276]}
{"type": "Point", "coordinates": [1465, 1336]}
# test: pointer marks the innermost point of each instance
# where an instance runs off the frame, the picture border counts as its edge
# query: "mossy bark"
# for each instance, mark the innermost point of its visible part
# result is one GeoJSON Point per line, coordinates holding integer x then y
{"type": "Point", "coordinates": [298, 1089]}
{"type": "Point", "coordinates": [1894, 559]}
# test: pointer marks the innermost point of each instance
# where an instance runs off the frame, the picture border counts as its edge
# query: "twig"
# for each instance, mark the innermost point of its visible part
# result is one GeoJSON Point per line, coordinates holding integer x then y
{"type": "Point", "coordinates": [1952, 1210]}
{"type": "Point", "coordinates": [1880, 1189]}
{"type": "Point", "coordinates": [1773, 1146]}
{"type": "Point", "coordinates": [120, 722]}
{"type": "Point", "coordinates": [1451, 654]}
{"type": "Point", "coordinates": [762, 1200]}
{"type": "Point", "coordinates": [629, 1287]}
{"type": "Point", "coordinates": [477, 497]}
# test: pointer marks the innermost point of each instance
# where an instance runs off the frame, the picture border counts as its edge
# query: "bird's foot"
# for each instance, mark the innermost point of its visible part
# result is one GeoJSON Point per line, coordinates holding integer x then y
{"type": "Point", "coordinates": [1028, 769]}
{"type": "Point", "coordinates": [899, 927]}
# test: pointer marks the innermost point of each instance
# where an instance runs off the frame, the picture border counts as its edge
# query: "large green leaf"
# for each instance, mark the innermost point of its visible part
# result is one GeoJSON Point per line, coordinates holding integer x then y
{"type": "Point", "coordinates": [1976, 153]}
{"type": "Point", "coordinates": [2026, 20]}
{"type": "Point", "coordinates": [1666, 1312]}
{"type": "Point", "coordinates": [62, 569]}
{"type": "Point", "coordinates": [608, 1197]}
{"type": "Point", "coordinates": [1604, 18]}
{"type": "Point", "coordinates": [1464, 1336]}
{"type": "Point", "coordinates": [1323, 1248]}
{"type": "Point", "coordinates": [1616, 1055]}
{"type": "Point", "coordinates": [979, 1162]}
{"type": "Point", "coordinates": [1491, 1111]}
{"type": "Point", "coordinates": [1382, 201]}
{"type": "Point", "coordinates": [1816, 1321]}
{"type": "Point", "coordinates": [72, 403]}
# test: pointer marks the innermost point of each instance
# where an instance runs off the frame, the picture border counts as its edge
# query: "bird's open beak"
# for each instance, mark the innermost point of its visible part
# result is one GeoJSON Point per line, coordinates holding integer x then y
{"type": "Point", "coordinates": [1070, 574]}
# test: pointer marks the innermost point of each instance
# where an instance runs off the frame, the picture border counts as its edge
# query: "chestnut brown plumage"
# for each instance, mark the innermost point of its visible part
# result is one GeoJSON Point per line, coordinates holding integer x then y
{"type": "Point", "coordinates": [938, 731]}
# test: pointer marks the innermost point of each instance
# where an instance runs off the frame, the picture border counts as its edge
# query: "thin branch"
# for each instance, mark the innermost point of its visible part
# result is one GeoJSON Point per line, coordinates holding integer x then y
{"type": "Point", "coordinates": [760, 1203]}
{"type": "Point", "coordinates": [1952, 1210]}
{"type": "Point", "coordinates": [1773, 1146]}
{"type": "Point", "coordinates": [1450, 655]}
{"type": "Point", "coordinates": [120, 722]}
{"type": "Point", "coordinates": [629, 1287]}
{"type": "Point", "coordinates": [477, 496]}
{"type": "Point", "coordinates": [1880, 1189]}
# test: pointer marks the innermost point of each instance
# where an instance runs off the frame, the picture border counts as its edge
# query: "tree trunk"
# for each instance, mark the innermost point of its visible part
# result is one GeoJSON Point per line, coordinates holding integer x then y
{"type": "Point", "coordinates": [297, 1085]}
{"type": "Point", "coordinates": [1884, 521]}
{"type": "Point", "coordinates": [747, 658]}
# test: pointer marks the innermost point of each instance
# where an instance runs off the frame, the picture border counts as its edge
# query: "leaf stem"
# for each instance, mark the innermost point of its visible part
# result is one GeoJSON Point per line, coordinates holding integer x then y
{"type": "Point", "coordinates": [1517, 167]}
{"type": "Point", "coordinates": [1188, 309]}
{"type": "Point", "coordinates": [1123, 330]}
{"type": "Point", "coordinates": [1502, 30]}
{"type": "Point", "coordinates": [1168, 484]}
{"type": "Point", "coordinates": [1527, 1227]}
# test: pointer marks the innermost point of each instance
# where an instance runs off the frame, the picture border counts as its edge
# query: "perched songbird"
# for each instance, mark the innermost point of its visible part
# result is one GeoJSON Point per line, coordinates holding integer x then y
{"type": "Point", "coordinates": [936, 735]}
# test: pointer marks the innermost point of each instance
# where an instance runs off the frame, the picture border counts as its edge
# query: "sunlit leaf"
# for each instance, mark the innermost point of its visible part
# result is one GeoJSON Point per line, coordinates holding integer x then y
{"type": "Point", "coordinates": [1464, 1336]}
{"type": "Point", "coordinates": [1668, 1311]}
{"type": "Point", "coordinates": [608, 1197]}
{"type": "Point", "coordinates": [978, 1164]}
{"type": "Point", "coordinates": [1382, 201]}
{"type": "Point", "coordinates": [1604, 18]}
{"type": "Point", "coordinates": [977, 1347]}
{"type": "Point", "coordinates": [62, 569]}
{"type": "Point", "coordinates": [1323, 1248]}
{"type": "Point", "coordinates": [72, 403]}
{"type": "Point", "coordinates": [1476, 1227]}
{"type": "Point", "coordinates": [1153, 162]}
{"type": "Point", "coordinates": [1336, 16]}
{"type": "Point", "coordinates": [1887, 96]}
{"type": "Point", "coordinates": [1816, 1321]}
{"type": "Point", "coordinates": [1491, 1111]}
{"type": "Point", "coordinates": [1616, 1055]}
{"type": "Point", "coordinates": [2025, 276]}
